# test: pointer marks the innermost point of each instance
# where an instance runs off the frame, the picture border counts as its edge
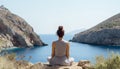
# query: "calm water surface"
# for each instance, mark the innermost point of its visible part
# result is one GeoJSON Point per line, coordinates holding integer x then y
{"type": "Point", "coordinates": [78, 51]}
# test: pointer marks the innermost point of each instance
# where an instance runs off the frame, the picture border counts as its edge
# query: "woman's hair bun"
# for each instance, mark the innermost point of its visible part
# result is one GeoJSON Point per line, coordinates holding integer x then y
{"type": "Point", "coordinates": [60, 28]}
{"type": "Point", "coordinates": [60, 31]}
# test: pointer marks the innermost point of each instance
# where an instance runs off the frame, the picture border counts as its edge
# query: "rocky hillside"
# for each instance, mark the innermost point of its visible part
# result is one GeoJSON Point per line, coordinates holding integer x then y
{"type": "Point", "coordinates": [105, 33]}
{"type": "Point", "coordinates": [15, 31]}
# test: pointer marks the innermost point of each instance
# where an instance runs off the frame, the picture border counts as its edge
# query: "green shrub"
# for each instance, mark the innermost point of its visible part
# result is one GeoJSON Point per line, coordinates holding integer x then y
{"type": "Point", "coordinates": [111, 62]}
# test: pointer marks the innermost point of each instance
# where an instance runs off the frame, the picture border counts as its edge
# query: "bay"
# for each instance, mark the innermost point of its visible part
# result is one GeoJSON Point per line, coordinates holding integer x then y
{"type": "Point", "coordinates": [78, 51]}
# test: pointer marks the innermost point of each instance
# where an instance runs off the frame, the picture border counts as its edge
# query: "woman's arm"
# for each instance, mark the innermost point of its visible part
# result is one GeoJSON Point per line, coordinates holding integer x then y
{"type": "Point", "coordinates": [67, 50]}
{"type": "Point", "coordinates": [53, 49]}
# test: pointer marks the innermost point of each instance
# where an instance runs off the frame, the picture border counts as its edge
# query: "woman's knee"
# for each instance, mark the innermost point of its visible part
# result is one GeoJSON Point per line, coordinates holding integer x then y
{"type": "Point", "coordinates": [49, 58]}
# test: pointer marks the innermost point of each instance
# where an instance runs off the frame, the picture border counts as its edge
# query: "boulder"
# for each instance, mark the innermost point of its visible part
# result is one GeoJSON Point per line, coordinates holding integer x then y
{"type": "Point", "coordinates": [85, 64]}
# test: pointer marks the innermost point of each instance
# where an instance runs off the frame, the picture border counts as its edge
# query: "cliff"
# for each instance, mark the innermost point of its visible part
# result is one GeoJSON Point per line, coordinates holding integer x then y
{"type": "Point", "coordinates": [105, 33]}
{"type": "Point", "coordinates": [15, 31]}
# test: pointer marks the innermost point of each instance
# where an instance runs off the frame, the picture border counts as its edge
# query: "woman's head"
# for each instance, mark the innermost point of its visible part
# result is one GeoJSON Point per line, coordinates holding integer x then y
{"type": "Point", "coordinates": [60, 31]}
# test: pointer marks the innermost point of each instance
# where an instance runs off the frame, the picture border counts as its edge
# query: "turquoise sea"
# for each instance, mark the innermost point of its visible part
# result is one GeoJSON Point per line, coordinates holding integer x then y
{"type": "Point", "coordinates": [78, 51]}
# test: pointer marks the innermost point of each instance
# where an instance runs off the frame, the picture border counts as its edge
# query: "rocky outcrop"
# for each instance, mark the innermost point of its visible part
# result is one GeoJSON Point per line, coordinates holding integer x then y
{"type": "Point", "coordinates": [83, 64]}
{"type": "Point", "coordinates": [105, 33]}
{"type": "Point", "coordinates": [9, 62]}
{"type": "Point", "coordinates": [15, 31]}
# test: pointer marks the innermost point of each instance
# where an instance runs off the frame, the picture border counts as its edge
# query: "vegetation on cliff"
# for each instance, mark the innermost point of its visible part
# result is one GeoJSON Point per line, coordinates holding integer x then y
{"type": "Point", "coordinates": [105, 33]}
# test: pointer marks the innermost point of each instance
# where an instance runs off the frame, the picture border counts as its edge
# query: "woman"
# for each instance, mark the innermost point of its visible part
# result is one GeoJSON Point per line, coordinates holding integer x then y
{"type": "Point", "coordinates": [60, 50]}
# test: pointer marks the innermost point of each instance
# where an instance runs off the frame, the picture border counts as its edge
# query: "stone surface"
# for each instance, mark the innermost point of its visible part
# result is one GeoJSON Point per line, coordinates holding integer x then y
{"type": "Point", "coordinates": [105, 33]}
{"type": "Point", "coordinates": [21, 64]}
{"type": "Point", "coordinates": [46, 66]}
{"type": "Point", "coordinates": [15, 31]}
{"type": "Point", "coordinates": [85, 64]}
{"type": "Point", "coordinates": [37, 66]}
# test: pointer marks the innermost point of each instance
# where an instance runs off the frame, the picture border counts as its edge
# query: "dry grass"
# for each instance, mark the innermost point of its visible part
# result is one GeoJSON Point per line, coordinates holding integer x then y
{"type": "Point", "coordinates": [8, 61]}
{"type": "Point", "coordinates": [111, 62]}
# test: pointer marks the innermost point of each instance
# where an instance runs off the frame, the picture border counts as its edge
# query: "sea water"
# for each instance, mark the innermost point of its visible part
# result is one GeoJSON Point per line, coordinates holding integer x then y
{"type": "Point", "coordinates": [78, 51]}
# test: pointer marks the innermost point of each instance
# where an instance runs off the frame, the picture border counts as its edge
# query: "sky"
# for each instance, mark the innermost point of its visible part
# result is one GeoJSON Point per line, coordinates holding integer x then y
{"type": "Point", "coordinates": [46, 15]}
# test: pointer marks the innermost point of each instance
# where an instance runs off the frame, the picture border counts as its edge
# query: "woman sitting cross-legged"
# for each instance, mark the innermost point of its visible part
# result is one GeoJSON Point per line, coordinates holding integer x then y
{"type": "Point", "coordinates": [60, 50]}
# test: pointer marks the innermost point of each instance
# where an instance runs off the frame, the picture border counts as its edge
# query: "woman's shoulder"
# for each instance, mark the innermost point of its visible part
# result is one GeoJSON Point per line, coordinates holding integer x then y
{"type": "Point", "coordinates": [54, 41]}
{"type": "Point", "coordinates": [66, 41]}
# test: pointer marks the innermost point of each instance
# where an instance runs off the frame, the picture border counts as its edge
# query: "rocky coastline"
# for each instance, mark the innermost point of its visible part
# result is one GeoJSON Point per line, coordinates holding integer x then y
{"type": "Point", "coordinates": [16, 32]}
{"type": "Point", "coordinates": [105, 33]}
